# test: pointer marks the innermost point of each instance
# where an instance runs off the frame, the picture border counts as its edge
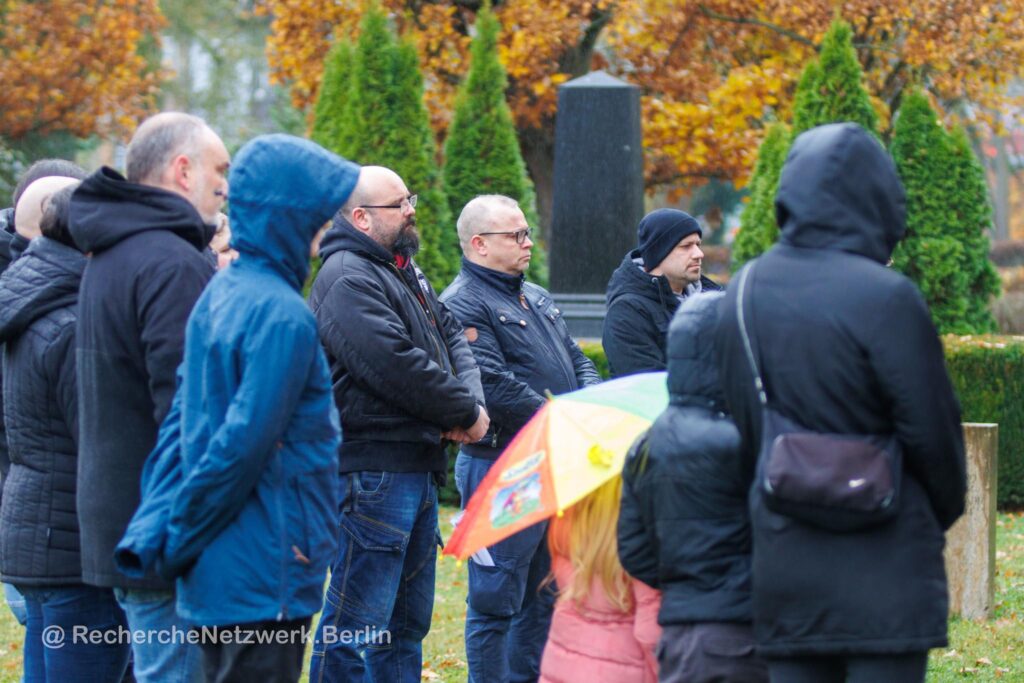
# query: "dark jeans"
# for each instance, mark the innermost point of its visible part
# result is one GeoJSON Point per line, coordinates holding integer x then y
{"type": "Point", "coordinates": [905, 668]}
{"type": "Point", "coordinates": [269, 652]}
{"type": "Point", "coordinates": [53, 653]}
{"type": "Point", "coordinates": [709, 652]}
{"type": "Point", "coordinates": [381, 595]}
{"type": "Point", "coordinates": [509, 614]}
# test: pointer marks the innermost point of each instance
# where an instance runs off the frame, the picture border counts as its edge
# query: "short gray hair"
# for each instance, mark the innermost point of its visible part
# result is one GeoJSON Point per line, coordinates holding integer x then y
{"type": "Point", "coordinates": [477, 215]}
{"type": "Point", "coordinates": [160, 139]}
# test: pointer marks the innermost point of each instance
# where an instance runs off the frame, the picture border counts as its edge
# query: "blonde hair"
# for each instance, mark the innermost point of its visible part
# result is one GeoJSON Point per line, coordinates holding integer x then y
{"type": "Point", "coordinates": [585, 534]}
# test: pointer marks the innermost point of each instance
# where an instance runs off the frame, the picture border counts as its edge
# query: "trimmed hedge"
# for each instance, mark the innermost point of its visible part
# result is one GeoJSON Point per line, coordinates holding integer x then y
{"type": "Point", "coordinates": [988, 376]}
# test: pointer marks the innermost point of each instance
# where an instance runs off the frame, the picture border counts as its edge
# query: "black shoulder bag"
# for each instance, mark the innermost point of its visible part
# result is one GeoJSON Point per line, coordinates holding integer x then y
{"type": "Point", "coordinates": [838, 482]}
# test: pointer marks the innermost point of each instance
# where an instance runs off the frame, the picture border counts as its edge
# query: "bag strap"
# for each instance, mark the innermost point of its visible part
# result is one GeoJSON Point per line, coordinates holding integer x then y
{"type": "Point", "coordinates": [762, 396]}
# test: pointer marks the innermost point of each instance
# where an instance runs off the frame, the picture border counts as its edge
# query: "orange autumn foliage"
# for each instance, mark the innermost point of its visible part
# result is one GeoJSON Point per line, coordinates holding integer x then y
{"type": "Point", "coordinates": [712, 74]}
{"type": "Point", "coordinates": [74, 65]}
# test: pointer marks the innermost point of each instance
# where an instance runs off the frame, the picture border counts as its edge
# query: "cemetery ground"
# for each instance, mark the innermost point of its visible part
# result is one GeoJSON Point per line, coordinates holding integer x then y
{"type": "Point", "coordinates": [978, 651]}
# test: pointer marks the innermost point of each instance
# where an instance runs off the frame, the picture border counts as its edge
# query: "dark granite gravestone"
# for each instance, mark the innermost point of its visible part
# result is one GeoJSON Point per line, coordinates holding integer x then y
{"type": "Point", "coordinates": [598, 193]}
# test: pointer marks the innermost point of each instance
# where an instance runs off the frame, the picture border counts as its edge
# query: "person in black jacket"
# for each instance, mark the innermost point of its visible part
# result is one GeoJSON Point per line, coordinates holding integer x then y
{"type": "Point", "coordinates": [404, 381]}
{"type": "Point", "coordinates": [11, 247]}
{"type": "Point", "coordinates": [39, 539]}
{"type": "Point", "coordinates": [846, 346]}
{"type": "Point", "coordinates": [684, 527]}
{"type": "Point", "coordinates": [146, 235]}
{"type": "Point", "coordinates": [647, 288]}
{"type": "Point", "coordinates": [524, 351]}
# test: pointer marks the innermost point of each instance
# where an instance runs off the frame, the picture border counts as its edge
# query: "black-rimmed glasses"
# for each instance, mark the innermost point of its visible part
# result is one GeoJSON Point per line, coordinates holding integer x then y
{"type": "Point", "coordinates": [520, 235]}
{"type": "Point", "coordinates": [410, 200]}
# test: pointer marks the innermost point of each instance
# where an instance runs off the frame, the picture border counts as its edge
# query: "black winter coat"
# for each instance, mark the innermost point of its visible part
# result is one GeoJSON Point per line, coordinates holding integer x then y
{"type": "Point", "coordinates": [401, 369]}
{"type": "Point", "coordinates": [38, 524]}
{"type": "Point", "coordinates": [640, 308]}
{"type": "Point", "coordinates": [684, 526]}
{"type": "Point", "coordinates": [847, 346]}
{"type": "Point", "coordinates": [145, 273]}
{"type": "Point", "coordinates": [523, 352]}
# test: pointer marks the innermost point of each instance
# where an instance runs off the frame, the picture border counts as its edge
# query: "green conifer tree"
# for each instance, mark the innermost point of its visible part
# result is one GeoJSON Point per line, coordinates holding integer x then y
{"type": "Point", "coordinates": [335, 105]}
{"type": "Point", "coordinates": [932, 253]}
{"type": "Point", "coordinates": [387, 124]}
{"type": "Point", "coordinates": [758, 230]}
{"type": "Point", "coordinates": [482, 153]}
{"type": "Point", "coordinates": [831, 88]}
{"type": "Point", "coordinates": [973, 215]}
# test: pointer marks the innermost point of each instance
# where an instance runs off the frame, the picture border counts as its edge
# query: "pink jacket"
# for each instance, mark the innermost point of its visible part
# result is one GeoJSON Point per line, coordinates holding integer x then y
{"type": "Point", "coordinates": [599, 644]}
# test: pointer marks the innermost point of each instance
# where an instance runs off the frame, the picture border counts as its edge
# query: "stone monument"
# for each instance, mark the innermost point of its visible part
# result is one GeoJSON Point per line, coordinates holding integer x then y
{"type": "Point", "coordinates": [598, 194]}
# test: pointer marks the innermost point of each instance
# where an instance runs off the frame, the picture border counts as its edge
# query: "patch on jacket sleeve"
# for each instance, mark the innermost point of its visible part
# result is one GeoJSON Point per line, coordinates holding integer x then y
{"type": "Point", "coordinates": [471, 334]}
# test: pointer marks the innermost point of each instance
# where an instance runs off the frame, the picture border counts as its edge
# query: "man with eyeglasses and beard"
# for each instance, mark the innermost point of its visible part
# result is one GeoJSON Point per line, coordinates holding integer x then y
{"type": "Point", "coordinates": [405, 382]}
{"type": "Point", "coordinates": [524, 351]}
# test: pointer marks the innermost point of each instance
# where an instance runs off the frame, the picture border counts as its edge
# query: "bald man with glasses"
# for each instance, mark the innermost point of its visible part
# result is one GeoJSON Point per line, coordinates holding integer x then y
{"type": "Point", "coordinates": [524, 351]}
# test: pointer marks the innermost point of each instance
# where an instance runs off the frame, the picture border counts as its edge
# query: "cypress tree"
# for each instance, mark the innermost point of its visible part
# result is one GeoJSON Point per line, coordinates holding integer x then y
{"type": "Point", "coordinates": [482, 153]}
{"type": "Point", "coordinates": [973, 215]}
{"type": "Point", "coordinates": [758, 230]}
{"type": "Point", "coordinates": [932, 253]}
{"type": "Point", "coordinates": [409, 149]}
{"type": "Point", "coordinates": [387, 124]}
{"type": "Point", "coordinates": [335, 104]}
{"type": "Point", "coordinates": [831, 88]}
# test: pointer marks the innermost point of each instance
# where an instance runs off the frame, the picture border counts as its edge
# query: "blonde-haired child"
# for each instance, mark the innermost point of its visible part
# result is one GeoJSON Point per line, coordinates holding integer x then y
{"type": "Point", "coordinates": [605, 623]}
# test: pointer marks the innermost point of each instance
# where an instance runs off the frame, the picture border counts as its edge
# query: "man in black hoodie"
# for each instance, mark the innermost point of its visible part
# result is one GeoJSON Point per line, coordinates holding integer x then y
{"type": "Point", "coordinates": [404, 381]}
{"type": "Point", "coordinates": [844, 345]}
{"type": "Point", "coordinates": [146, 237]}
{"type": "Point", "coordinates": [647, 288]}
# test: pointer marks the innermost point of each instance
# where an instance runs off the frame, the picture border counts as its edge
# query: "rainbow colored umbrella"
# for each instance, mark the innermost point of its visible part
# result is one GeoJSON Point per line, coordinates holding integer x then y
{"type": "Point", "coordinates": [575, 443]}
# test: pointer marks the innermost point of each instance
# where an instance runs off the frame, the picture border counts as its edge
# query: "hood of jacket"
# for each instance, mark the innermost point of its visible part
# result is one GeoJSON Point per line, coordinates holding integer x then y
{"type": "Point", "coordinates": [692, 366]}
{"type": "Point", "coordinates": [343, 236]}
{"type": "Point", "coordinates": [106, 208]}
{"type": "Point", "coordinates": [45, 278]}
{"type": "Point", "coordinates": [631, 278]}
{"type": "Point", "coordinates": [283, 190]}
{"type": "Point", "coordinates": [839, 190]}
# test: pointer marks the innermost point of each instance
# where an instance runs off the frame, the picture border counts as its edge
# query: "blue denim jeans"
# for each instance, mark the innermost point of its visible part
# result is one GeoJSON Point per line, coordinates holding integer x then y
{"type": "Point", "coordinates": [509, 610]}
{"type": "Point", "coordinates": [173, 661]}
{"type": "Point", "coordinates": [381, 595]}
{"type": "Point", "coordinates": [52, 650]}
{"type": "Point", "coordinates": [16, 602]}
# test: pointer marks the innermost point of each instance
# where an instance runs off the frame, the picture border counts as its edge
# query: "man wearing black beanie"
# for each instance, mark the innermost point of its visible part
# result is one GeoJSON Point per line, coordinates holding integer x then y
{"type": "Point", "coordinates": [647, 288]}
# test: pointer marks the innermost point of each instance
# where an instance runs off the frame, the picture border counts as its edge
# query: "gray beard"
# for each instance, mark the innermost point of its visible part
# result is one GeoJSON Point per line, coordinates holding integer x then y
{"type": "Point", "coordinates": [407, 243]}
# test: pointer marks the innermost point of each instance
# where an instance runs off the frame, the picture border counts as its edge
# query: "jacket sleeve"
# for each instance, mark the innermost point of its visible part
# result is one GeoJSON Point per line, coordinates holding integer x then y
{"type": "Point", "coordinates": [638, 546]}
{"type": "Point", "coordinates": [463, 360]}
{"type": "Point", "coordinates": [907, 355]}
{"type": "Point", "coordinates": [67, 386]}
{"type": "Point", "coordinates": [141, 548]}
{"type": "Point", "coordinates": [510, 402]}
{"type": "Point", "coordinates": [359, 327]}
{"type": "Point", "coordinates": [165, 297]}
{"type": "Point", "coordinates": [586, 373]}
{"type": "Point", "coordinates": [629, 340]}
{"type": "Point", "coordinates": [277, 356]}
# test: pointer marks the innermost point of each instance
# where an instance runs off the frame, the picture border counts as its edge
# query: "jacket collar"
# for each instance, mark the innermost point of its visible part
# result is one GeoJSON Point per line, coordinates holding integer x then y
{"type": "Point", "coordinates": [343, 236]}
{"type": "Point", "coordinates": [510, 284]}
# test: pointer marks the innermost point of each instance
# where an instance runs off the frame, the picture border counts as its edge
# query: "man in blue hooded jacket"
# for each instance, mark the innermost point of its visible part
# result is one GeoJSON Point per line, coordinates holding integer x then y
{"type": "Point", "coordinates": [240, 494]}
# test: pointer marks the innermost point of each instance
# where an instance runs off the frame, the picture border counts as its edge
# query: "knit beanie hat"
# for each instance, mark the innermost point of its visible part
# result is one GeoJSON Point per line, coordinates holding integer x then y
{"type": "Point", "coordinates": [660, 231]}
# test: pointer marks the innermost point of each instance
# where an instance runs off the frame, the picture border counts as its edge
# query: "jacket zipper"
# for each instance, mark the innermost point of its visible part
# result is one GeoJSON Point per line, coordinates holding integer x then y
{"type": "Point", "coordinates": [282, 615]}
{"type": "Point", "coordinates": [423, 311]}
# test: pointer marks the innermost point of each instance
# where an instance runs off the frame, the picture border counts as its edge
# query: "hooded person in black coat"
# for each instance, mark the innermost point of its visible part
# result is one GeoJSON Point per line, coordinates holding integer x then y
{"type": "Point", "coordinates": [684, 527]}
{"type": "Point", "coordinates": [846, 346]}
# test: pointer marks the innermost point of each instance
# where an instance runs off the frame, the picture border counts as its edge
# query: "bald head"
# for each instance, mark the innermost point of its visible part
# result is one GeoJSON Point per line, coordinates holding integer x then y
{"type": "Point", "coordinates": [33, 201]}
{"type": "Point", "coordinates": [160, 139]}
{"type": "Point", "coordinates": [483, 213]}
{"type": "Point", "coordinates": [374, 182]}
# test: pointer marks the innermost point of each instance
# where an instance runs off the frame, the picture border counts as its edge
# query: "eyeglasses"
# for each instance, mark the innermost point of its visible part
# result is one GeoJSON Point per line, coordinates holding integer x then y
{"type": "Point", "coordinates": [519, 235]}
{"type": "Point", "coordinates": [410, 200]}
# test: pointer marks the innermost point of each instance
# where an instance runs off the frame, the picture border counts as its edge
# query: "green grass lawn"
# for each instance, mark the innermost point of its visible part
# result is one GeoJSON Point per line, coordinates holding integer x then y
{"type": "Point", "coordinates": [986, 651]}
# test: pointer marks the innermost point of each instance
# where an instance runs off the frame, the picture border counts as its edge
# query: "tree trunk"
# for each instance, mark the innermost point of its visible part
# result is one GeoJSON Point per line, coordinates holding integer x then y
{"type": "Point", "coordinates": [538, 149]}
